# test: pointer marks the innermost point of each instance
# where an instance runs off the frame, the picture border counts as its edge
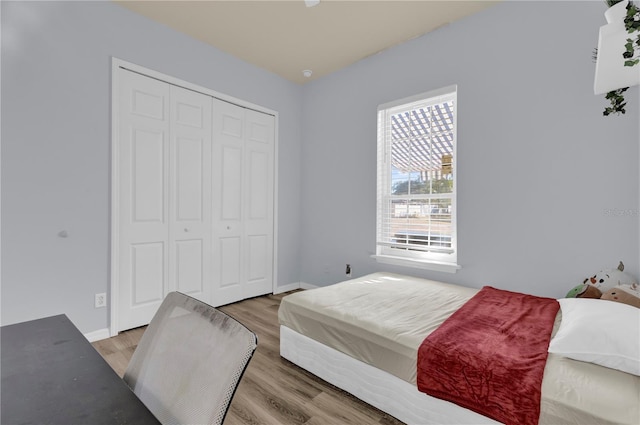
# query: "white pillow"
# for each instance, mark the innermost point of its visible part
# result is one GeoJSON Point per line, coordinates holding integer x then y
{"type": "Point", "coordinates": [603, 332]}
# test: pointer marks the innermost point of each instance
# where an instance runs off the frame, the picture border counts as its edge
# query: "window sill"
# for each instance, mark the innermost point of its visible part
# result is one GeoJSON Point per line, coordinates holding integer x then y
{"type": "Point", "coordinates": [418, 264]}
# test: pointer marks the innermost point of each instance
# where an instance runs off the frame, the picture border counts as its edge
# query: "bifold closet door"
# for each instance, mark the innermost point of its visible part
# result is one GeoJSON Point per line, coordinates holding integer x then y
{"type": "Point", "coordinates": [190, 194]}
{"type": "Point", "coordinates": [243, 193]}
{"type": "Point", "coordinates": [164, 179]}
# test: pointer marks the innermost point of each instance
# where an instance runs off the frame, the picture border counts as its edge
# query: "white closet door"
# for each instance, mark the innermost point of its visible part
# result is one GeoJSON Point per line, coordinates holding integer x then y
{"type": "Point", "coordinates": [144, 208]}
{"type": "Point", "coordinates": [228, 153]}
{"type": "Point", "coordinates": [190, 194]}
{"type": "Point", "coordinates": [258, 214]}
{"type": "Point", "coordinates": [165, 196]}
{"type": "Point", "coordinates": [243, 146]}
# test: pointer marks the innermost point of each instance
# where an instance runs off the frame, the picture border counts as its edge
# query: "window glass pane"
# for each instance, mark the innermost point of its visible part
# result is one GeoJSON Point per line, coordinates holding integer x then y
{"type": "Point", "coordinates": [399, 182]}
{"type": "Point", "coordinates": [401, 155]}
{"type": "Point", "coordinates": [422, 147]}
{"type": "Point", "coordinates": [416, 183]}
{"type": "Point", "coordinates": [425, 222]}
{"type": "Point", "coordinates": [442, 185]}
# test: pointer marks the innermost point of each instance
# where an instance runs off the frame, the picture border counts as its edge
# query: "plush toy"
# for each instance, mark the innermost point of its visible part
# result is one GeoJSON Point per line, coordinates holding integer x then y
{"type": "Point", "coordinates": [584, 291]}
{"type": "Point", "coordinates": [608, 279]}
{"type": "Point", "coordinates": [626, 294]}
{"type": "Point", "coordinates": [612, 285]}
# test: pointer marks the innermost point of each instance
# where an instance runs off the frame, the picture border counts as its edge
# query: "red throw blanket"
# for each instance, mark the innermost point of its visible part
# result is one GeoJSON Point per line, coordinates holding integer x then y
{"type": "Point", "coordinates": [489, 356]}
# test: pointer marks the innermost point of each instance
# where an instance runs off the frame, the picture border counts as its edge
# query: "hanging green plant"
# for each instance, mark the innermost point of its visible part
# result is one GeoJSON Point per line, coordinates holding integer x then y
{"type": "Point", "coordinates": [631, 55]}
{"type": "Point", "coordinates": [632, 24]}
{"type": "Point", "coordinates": [616, 97]}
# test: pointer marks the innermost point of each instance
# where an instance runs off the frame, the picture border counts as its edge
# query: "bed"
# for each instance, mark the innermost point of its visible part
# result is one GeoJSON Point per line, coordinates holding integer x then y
{"type": "Point", "coordinates": [363, 336]}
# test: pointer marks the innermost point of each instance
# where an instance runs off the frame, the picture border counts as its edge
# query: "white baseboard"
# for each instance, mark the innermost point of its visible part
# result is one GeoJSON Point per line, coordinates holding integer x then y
{"type": "Point", "coordinates": [286, 288]}
{"type": "Point", "coordinates": [294, 286]}
{"type": "Point", "coordinates": [98, 335]}
{"type": "Point", "coordinates": [104, 333]}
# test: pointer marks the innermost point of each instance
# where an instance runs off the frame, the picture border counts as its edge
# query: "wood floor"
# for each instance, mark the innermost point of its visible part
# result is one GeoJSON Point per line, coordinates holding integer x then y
{"type": "Point", "coordinates": [273, 390]}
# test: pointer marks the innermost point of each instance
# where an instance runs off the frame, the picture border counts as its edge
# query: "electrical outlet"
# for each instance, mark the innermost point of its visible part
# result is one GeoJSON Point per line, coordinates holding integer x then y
{"type": "Point", "coordinates": [348, 270]}
{"type": "Point", "coordinates": [101, 300]}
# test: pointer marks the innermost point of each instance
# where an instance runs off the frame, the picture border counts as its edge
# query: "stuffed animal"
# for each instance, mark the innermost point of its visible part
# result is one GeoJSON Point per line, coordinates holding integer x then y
{"type": "Point", "coordinates": [608, 279]}
{"type": "Point", "coordinates": [626, 294]}
{"type": "Point", "coordinates": [612, 285]}
{"type": "Point", "coordinates": [584, 291]}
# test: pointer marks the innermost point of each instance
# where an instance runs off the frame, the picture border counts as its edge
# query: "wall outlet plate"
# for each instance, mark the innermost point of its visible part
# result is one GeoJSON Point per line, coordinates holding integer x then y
{"type": "Point", "coordinates": [101, 300]}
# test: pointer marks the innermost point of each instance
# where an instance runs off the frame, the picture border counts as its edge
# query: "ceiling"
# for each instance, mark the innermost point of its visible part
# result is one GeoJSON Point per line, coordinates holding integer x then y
{"type": "Point", "coordinates": [286, 37]}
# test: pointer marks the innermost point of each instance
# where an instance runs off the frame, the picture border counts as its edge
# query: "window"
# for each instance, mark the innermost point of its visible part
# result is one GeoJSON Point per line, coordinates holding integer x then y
{"type": "Point", "coordinates": [416, 202]}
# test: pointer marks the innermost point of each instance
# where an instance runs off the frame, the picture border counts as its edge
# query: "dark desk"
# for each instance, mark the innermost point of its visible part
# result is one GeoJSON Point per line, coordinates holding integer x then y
{"type": "Point", "coordinates": [52, 375]}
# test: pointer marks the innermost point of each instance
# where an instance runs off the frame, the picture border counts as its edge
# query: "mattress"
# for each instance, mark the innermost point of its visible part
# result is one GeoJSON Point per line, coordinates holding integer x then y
{"type": "Point", "coordinates": [374, 386]}
{"type": "Point", "coordinates": [381, 319]}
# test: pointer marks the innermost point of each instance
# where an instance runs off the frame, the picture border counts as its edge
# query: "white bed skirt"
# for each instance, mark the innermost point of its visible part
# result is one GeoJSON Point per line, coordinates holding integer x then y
{"type": "Point", "coordinates": [374, 386]}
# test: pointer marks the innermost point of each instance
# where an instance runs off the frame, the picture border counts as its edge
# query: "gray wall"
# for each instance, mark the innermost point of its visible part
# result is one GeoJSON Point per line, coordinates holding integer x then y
{"type": "Point", "coordinates": [540, 169]}
{"type": "Point", "coordinates": [56, 141]}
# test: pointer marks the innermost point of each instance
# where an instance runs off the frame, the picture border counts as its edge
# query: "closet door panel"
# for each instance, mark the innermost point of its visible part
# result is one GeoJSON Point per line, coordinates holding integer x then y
{"type": "Point", "coordinates": [230, 260]}
{"type": "Point", "coordinates": [148, 266]}
{"type": "Point", "coordinates": [145, 99]}
{"type": "Point", "coordinates": [148, 169]}
{"type": "Point", "coordinates": [189, 179]}
{"type": "Point", "coordinates": [190, 239]}
{"type": "Point", "coordinates": [228, 166]}
{"type": "Point", "coordinates": [190, 270]}
{"type": "Point", "coordinates": [259, 185]}
{"type": "Point", "coordinates": [143, 185]}
{"type": "Point", "coordinates": [231, 183]}
{"type": "Point", "coordinates": [230, 122]}
{"type": "Point", "coordinates": [243, 183]}
{"type": "Point", "coordinates": [190, 194]}
{"type": "Point", "coordinates": [258, 258]}
{"type": "Point", "coordinates": [258, 201]}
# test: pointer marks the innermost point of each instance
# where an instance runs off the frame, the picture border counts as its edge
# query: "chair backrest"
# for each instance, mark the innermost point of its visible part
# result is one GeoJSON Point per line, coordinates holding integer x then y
{"type": "Point", "coordinates": [189, 362]}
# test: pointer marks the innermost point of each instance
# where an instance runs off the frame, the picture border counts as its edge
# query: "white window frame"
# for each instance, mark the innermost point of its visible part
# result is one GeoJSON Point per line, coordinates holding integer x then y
{"type": "Point", "coordinates": [444, 260]}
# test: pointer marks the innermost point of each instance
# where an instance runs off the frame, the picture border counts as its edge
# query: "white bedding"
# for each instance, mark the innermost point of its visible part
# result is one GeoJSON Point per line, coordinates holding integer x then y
{"type": "Point", "coordinates": [380, 320]}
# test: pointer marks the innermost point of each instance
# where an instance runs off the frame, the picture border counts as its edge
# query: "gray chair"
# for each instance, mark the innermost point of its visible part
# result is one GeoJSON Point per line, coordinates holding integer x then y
{"type": "Point", "coordinates": [189, 362]}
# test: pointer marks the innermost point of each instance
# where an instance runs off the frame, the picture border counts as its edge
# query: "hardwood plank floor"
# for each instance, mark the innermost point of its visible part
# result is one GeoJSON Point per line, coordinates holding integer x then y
{"type": "Point", "coordinates": [273, 390]}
